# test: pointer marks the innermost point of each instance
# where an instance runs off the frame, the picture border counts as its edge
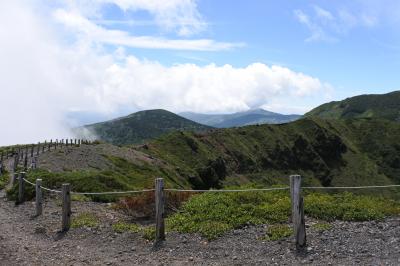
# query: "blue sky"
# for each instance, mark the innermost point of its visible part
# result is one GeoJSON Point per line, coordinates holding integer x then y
{"type": "Point", "coordinates": [106, 58]}
{"type": "Point", "coordinates": [361, 59]}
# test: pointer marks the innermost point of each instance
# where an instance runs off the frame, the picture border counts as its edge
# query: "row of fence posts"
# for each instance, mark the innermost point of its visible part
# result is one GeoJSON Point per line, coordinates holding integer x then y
{"type": "Point", "coordinates": [21, 154]}
{"type": "Point", "coordinates": [297, 206]}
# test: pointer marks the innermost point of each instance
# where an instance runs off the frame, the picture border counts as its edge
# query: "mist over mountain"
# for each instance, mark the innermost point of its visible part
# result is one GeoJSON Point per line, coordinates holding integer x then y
{"type": "Point", "coordinates": [250, 117]}
{"type": "Point", "coordinates": [138, 127]}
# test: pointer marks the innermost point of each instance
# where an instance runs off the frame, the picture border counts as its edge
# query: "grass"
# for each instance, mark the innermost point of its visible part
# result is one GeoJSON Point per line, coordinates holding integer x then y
{"type": "Point", "coordinates": [86, 219]}
{"type": "Point", "coordinates": [121, 227]}
{"type": "Point", "coordinates": [4, 179]}
{"type": "Point", "coordinates": [322, 226]}
{"type": "Point", "coordinates": [278, 232]}
{"type": "Point", "coordinates": [213, 214]}
{"type": "Point", "coordinates": [147, 232]}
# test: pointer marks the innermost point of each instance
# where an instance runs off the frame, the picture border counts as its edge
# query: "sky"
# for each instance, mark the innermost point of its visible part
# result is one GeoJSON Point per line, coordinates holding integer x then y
{"type": "Point", "coordinates": [66, 62]}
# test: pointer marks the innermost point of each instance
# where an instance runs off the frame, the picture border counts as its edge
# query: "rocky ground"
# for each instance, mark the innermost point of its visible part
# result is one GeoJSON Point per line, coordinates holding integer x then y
{"type": "Point", "coordinates": [25, 240]}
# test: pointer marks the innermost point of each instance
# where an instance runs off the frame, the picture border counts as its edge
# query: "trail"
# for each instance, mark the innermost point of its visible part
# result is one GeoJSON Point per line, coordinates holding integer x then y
{"type": "Point", "coordinates": [35, 241]}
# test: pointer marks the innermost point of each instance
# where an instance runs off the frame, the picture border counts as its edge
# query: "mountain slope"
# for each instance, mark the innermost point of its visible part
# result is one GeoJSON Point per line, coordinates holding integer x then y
{"type": "Point", "coordinates": [140, 127]}
{"type": "Point", "coordinates": [374, 105]}
{"type": "Point", "coordinates": [251, 117]}
{"type": "Point", "coordinates": [327, 152]}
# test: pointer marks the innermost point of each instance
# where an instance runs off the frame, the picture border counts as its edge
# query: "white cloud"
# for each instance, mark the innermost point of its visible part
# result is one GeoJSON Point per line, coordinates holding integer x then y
{"type": "Point", "coordinates": [89, 30]}
{"type": "Point", "coordinates": [181, 16]}
{"type": "Point", "coordinates": [43, 78]}
{"type": "Point", "coordinates": [328, 26]}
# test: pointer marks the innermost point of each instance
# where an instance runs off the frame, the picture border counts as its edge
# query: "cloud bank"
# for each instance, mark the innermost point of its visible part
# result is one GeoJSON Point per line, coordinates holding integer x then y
{"type": "Point", "coordinates": [44, 77]}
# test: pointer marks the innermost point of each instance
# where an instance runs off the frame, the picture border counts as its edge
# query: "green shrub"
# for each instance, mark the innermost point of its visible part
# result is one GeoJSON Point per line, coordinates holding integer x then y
{"type": "Point", "coordinates": [322, 226]}
{"type": "Point", "coordinates": [278, 232]}
{"type": "Point", "coordinates": [85, 219]}
{"type": "Point", "coordinates": [213, 214]}
{"type": "Point", "coordinates": [121, 227]}
{"type": "Point", "coordinates": [349, 207]}
{"type": "Point", "coordinates": [4, 179]}
{"type": "Point", "coordinates": [149, 233]}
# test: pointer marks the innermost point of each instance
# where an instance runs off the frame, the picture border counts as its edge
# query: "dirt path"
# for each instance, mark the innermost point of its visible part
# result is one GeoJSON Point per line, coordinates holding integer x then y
{"type": "Point", "coordinates": [34, 241]}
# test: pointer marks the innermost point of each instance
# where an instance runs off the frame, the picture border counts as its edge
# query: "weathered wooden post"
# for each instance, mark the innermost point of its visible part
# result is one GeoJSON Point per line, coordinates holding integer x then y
{"type": "Point", "coordinates": [50, 144]}
{"type": "Point", "coordinates": [32, 147]}
{"type": "Point", "coordinates": [14, 179]}
{"type": "Point", "coordinates": [66, 142]}
{"type": "Point", "coordinates": [26, 162]}
{"type": "Point", "coordinates": [79, 142]}
{"type": "Point", "coordinates": [38, 200]}
{"type": "Point", "coordinates": [15, 165]}
{"type": "Point", "coordinates": [34, 162]}
{"type": "Point", "coordinates": [44, 145]}
{"type": "Point", "coordinates": [75, 142]}
{"type": "Point", "coordinates": [61, 143]}
{"type": "Point", "coordinates": [56, 144]}
{"type": "Point", "coordinates": [66, 207]}
{"type": "Point", "coordinates": [21, 188]}
{"type": "Point", "coordinates": [298, 221]}
{"type": "Point", "coordinates": [159, 197]}
{"type": "Point", "coordinates": [38, 148]}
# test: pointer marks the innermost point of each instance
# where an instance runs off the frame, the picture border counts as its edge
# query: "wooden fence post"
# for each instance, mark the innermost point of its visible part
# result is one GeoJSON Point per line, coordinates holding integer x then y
{"type": "Point", "coordinates": [26, 162]}
{"type": "Point", "coordinates": [15, 165]}
{"type": "Point", "coordinates": [159, 197]}
{"type": "Point", "coordinates": [66, 207]}
{"type": "Point", "coordinates": [66, 142]}
{"type": "Point", "coordinates": [39, 202]}
{"type": "Point", "coordinates": [21, 188]}
{"type": "Point", "coordinates": [14, 179]}
{"type": "Point", "coordinates": [299, 228]}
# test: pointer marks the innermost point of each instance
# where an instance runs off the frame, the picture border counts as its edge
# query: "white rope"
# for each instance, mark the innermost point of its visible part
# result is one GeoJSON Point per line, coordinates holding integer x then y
{"type": "Point", "coordinates": [359, 187]}
{"type": "Point", "coordinates": [112, 192]}
{"type": "Point", "coordinates": [27, 181]}
{"type": "Point", "coordinates": [42, 187]}
{"type": "Point", "coordinates": [51, 190]}
{"type": "Point", "coordinates": [227, 190]}
{"type": "Point", "coordinates": [207, 190]}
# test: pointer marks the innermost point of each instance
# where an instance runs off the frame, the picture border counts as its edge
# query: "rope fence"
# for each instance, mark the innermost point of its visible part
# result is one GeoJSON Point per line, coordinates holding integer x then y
{"type": "Point", "coordinates": [297, 202]}
{"type": "Point", "coordinates": [207, 190]}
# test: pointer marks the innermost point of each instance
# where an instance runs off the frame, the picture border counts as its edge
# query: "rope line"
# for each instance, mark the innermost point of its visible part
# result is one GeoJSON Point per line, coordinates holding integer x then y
{"type": "Point", "coordinates": [227, 190]}
{"type": "Point", "coordinates": [42, 187]}
{"type": "Point", "coordinates": [112, 192]}
{"type": "Point", "coordinates": [207, 190]}
{"type": "Point", "coordinates": [359, 187]}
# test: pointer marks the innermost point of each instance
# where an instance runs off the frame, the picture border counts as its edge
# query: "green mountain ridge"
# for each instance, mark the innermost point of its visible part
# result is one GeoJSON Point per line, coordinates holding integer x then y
{"type": "Point", "coordinates": [385, 106]}
{"type": "Point", "coordinates": [139, 127]}
{"type": "Point", "coordinates": [326, 152]}
{"type": "Point", "coordinates": [250, 117]}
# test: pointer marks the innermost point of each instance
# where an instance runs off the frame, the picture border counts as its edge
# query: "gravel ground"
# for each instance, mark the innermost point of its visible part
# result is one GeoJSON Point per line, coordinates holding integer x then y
{"type": "Point", "coordinates": [25, 240]}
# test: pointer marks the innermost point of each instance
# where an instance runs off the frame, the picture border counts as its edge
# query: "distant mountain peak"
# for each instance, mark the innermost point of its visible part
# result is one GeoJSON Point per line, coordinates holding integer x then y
{"type": "Point", "coordinates": [141, 126]}
{"type": "Point", "coordinates": [244, 118]}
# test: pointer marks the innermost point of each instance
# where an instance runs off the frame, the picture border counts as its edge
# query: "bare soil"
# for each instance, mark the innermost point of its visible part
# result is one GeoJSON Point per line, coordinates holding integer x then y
{"type": "Point", "coordinates": [26, 240]}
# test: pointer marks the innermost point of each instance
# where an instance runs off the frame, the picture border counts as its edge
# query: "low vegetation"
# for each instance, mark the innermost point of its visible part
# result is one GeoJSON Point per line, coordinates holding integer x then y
{"type": "Point", "coordinates": [322, 226]}
{"type": "Point", "coordinates": [121, 227]}
{"type": "Point", "coordinates": [4, 179]}
{"type": "Point", "coordinates": [213, 214]}
{"type": "Point", "coordinates": [147, 232]}
{"type": "Point", "coordinates": [85, 219]}
{"type": "Point", "coordinates": [278, 232]}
